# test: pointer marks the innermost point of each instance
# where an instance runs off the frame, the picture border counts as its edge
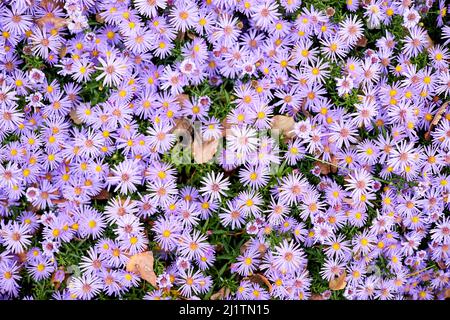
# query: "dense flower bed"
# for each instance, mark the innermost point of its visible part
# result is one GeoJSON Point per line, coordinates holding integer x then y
{"type": "Point", "coordinates": [224, 149]}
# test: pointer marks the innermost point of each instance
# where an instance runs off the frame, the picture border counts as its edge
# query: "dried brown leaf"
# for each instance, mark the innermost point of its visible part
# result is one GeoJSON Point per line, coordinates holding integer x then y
{"type": "Point", "coordinates": [218, 295]}
{"type": "Point", "coordinates": [430, 42]}
{"type": "Point", "coordinates": [142, 265]}
{"type": "Point", "coordinates": [75, 118]}
{"type": "Point", "coordinates": [226, 126]}
{"type": "Point", "coordinates": [441, 264]}
{"type": "Point", "coordinates": [203, 151]}
{"type": "Point", "coordinates": [59, 201]}
{"type": "Point", "coordinates": [261, 280]}
{"type": "Point", "coordinates": [99, 19]}
{"type": "Point", "coordinates": [324, 167]}
{"type": "Point", "coordinates": [362, 42]}
{"type": "Point", "coordinates": [261, 248]}
{"type": "Point", "coordinates": [103, 195]}
{"type": "Point", "coordinates": [447, 294]}
{"type": "Point", "coordinates": [334, 161]}
{"type": "Point", "coordinates": [285, 124]}
{"type": "Point", "coordinates": [180, 36]}
{"type": "Point", "coordinates": [57, 22]}
{"type": "Point", "coordinates": [304, 110]}
{"type": "Point", "coordinates": [348, 201]}
{"type": "Point", "coordinates": [244, 246]}
{"type": "Point", "coordinates": [439, 113]}
{"type": "Point", "coordinates": [57, 282]}
{"type": "Point", "coordinates": [62, 52]}
{"type": "Point", "coordinates": [338, 283]}
{"type": "Point", "coordinates": [181, 99]}
{"type": "Point", "coordinates": [182, 125]}
{"type": "Point", "coordinates": [436, 119]}
{"type": "Point", "coordinates": [222, 293]}
{"type": "Point", "coordinates": [316, 297]}
{"type": "Point", "coordinates": [22, 257]}
{"type": "Point", "coordinates": [52, 3]}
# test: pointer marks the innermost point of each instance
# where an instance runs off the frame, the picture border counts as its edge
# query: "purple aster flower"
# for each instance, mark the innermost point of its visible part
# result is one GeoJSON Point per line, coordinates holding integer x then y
{"type": "Point", "coordinates": [113, 69]}
{"type": "Point", "coordinates": [40, 268]}
{"type": "Point", "coordinates": [14, 236]}
{"type": "Point", "coordinates": [168, 232]}
{"type": "Point", "coordinates": [85, 287]}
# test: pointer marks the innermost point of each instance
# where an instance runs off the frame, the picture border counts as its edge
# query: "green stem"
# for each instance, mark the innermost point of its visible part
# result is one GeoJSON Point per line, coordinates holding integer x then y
{"type": "Point", "coordinates": [419, 272]}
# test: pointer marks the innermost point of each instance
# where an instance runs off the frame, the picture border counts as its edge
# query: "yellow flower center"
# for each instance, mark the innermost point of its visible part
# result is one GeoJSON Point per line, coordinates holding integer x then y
{"type": "Point", "coordinates": [166, 233]}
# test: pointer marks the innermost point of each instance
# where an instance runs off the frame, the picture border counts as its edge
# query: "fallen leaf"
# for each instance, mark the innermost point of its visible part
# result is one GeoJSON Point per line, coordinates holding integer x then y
{"type": "Point", "coordinates": [203, 151]}
{"type": "Point", "coordinates": [447, 294]}
{"type": "Point", "coordinates": [222, 293]}
{"type": "Point", "coordinates": [219, 247]}
{"type": "Point", "coordinates": [103, 195]}
{"type": "Point", "coordinates": [62, 52]}
{"type": "Point", "coordinates": [436, 119]}
{"type": "Point", "coordinates": [22, 256]}
{"type": "Point", "coordinates": [261, 280]}
{"type": "Point", "coordinates": [58, 277]}
{"type": "Point", "coordinates": [334, 161]}
{"type": "Point", "coordinates": [99, 18]}
{"type": "Point", "coordinates": [362, 42]}
{"type": "Point", "coordinates": [226, 126]}
{"type": "Point", "coordinates": [142, 265]}
{"type": "Point", "coordinates": [430, 42]}
{"type": "Point", "coordinates": [74, 116]}
{"type": "Point", "coordinates": [181, 99]}
{"type": "Point", "coordinates": [338, 283]}
{"type": "Point", "coordinates": [348, 201]}
{"type": "Point", "coordinates": [59, 201]}
{"type": "Point", "coordinates": [324, 168]}
{"type": "Point", "coordinates": [183, 140]}
{"type": "Point", "coordinates": [316, 297]}
{"type": "Point", "coordinates": [285, 124]}
{"type": "Point", "coordinates": [441, 264]}
{"type": "Point", "coordinates": [439, 113]}
{"type": "Point", "coordinates": [304, 110]}
{"type": "Point", "coordinates": [180, 36]}
{"type": "Point", "coordinates": [218, 295]}
{"type": "Point", "coordinates": [182, 125]}
{"type": "Point", "coordinates": [30, 207]}
{"type": "Point", "coordinates": [261, 248]}
{"type": "Point", "coordinates": [244, 246]}
{"type": "Point", "coordinates": [53, 3]}
{"type": "Point", "coordinates": [57, 22]}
